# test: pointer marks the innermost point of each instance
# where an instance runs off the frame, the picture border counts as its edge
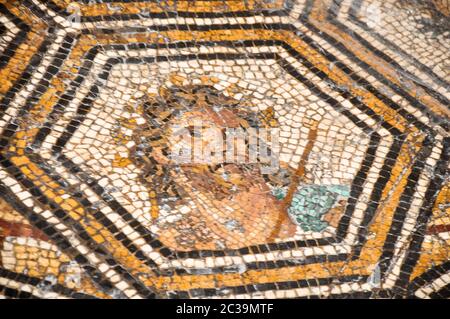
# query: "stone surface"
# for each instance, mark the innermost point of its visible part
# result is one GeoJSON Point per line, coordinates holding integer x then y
{"type": "Point", "coordinates": [104, 106]}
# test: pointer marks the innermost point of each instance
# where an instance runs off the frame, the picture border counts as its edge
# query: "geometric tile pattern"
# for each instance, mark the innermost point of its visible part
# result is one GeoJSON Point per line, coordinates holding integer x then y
{"type": "Point", "coordinates": [89, 207]}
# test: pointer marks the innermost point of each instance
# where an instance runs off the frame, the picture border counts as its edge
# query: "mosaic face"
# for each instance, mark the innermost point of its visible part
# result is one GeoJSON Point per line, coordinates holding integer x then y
{"type": "Point", "coordinates": [200, 149]}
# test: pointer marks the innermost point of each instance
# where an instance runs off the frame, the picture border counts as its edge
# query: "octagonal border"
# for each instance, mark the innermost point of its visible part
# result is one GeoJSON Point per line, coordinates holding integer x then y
{"type": "Point", "coordinates": [428, 139]}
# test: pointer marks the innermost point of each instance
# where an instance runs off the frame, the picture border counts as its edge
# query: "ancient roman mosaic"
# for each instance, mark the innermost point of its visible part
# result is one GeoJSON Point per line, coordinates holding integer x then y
{"type": "Point", "coordinates": [224, 149]}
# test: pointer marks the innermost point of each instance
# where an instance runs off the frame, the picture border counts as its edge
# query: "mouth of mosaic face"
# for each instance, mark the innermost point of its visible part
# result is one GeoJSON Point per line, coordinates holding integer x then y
{"type": "Point", "coordinates": [225, 202]}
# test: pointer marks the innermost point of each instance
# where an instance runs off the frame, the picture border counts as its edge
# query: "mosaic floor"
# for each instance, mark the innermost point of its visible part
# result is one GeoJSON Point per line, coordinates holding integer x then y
{"type": "Point", "coordinates": [350, 199]}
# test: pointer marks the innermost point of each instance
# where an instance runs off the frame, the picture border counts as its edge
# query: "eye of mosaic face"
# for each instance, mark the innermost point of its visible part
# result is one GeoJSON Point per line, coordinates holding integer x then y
{"type": "Point", "coordinates": [231, 149]}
